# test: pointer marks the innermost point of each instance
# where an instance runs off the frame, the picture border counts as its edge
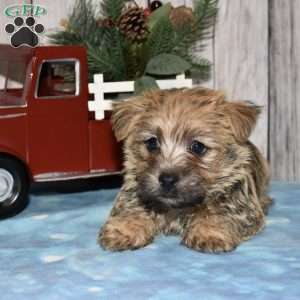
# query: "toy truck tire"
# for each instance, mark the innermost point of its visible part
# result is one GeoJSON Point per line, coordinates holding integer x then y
{"type": "Point", "coordinates": [14, 187]}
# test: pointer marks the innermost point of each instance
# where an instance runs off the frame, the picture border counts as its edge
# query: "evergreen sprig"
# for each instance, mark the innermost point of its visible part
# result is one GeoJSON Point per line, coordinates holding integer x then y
{"type": "Point", "coordinates": [161, 39]}
{"type": "Point", "coordinates": [81, 27]}
{"type": "Point", "coordinates": [112, 8]}
{"type": "Point", "coordinates": [205, 17]}
{"type": "Point", "coordinates": [110, 53]}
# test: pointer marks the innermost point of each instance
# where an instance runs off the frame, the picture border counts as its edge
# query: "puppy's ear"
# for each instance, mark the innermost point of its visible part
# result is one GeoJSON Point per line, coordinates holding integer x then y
{"type": "Point", "coordinates": [125, 115]}
{"type": "Point", "coordinates": [242, 118]}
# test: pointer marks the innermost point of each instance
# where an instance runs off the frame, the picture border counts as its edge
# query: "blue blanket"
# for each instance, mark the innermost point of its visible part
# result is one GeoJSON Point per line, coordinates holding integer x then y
{"type": "Point", "coordinates": [49, 252]}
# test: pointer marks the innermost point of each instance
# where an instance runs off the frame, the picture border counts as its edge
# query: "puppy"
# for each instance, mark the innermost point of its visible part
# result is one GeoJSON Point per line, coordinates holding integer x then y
{"type": "Point", "coordinates": [189, 170]}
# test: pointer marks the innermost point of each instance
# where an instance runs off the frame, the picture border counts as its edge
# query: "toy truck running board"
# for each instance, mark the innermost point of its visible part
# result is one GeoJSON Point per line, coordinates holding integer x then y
{"type": "Point", "coordinates": [50, 177]}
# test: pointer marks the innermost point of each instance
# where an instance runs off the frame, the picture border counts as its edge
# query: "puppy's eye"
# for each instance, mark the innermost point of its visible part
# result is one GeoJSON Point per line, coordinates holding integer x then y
{"type": "Point", "coordinates": [152, 144]}
{"type": "Point", "coordinates": [198, 148]}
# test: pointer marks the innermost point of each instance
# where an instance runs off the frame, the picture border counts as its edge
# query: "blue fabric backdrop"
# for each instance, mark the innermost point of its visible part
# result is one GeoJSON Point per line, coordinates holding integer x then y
{"type": "Point", "coordinates": [50, 252]}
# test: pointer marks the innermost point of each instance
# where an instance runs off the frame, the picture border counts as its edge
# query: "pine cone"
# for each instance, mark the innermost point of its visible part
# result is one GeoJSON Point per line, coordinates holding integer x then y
{"type": "Point", "coordinates": [132, 24]}
{"type": "Point", "coordinates": [182, 15]}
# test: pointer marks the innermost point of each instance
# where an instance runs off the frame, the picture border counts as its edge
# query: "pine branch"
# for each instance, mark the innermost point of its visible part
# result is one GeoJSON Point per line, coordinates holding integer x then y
{"type": "Point", "coordinates": [99, 62]}
{"type": "Point", "coordinates": [81, 21]}
{"type": "Point", "coordinates": [161, 39]}
{"type": "Point", "coordinates": [110, 53]}
{"type": "Point", "coordinates": [112, 8]}
{"type": "Point", "coordinates": [201, 68]}
{"type": "Point", "coordinates": [188, 35]}
{"type": "Point", "coordinates": [114, 42]}
{"type": "Point", "coordinates": [206, 13]}
{"type": "Point", "coordinates": [65, 38]}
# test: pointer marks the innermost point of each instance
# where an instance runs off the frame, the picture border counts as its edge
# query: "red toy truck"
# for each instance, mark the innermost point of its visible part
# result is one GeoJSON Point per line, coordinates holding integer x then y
{"type": "Point", "coordinates": [46, 130]}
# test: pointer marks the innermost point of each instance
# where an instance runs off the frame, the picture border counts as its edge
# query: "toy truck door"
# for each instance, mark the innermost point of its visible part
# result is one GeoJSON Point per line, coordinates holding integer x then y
{"type": "Point", "coordinates": [58, 119]}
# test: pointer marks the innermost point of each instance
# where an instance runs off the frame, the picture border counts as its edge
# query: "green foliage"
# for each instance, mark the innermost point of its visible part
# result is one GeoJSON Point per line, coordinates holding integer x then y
{"type": "Point", "coordinates": [159, 14]}
{"type": "Point", "coordinates": [167, 64]}
{"type": "Point", "coordinates": [161, 39]}
{"type": "Point", "coordinates": [206, 13]}
{"type": "Point", "coordinates": [81, 21]}
{"type": "Point", "coordinates": [98, 61]}
{"type": "Point", "coordinates": [112, 8]}
{"type": "Point", "coordinates": [205, 17]}
{"type": "Point", "coordinates": [200, 68]}
{"type": "Point", "coordinates": [145, 83]}
{"type": "Point", "coordinates": [167, 49]}
{"type": "Point", "coordinates": [115, 45]}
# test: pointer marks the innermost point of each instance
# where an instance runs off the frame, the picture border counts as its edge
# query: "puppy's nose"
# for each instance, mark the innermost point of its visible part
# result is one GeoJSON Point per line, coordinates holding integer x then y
{"type": "Point", "coordinates": [167, 180]}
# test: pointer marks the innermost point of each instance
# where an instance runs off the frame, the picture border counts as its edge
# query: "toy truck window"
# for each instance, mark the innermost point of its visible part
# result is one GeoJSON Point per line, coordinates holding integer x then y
{"type": "Point", "coordinates": [58, 78]}
{"type": "Point", "coordinates": [12, 79]}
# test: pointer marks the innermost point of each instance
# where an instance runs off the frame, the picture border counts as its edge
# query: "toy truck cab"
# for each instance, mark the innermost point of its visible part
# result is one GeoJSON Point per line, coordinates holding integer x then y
{"type": "Point", "coordinates": [46, 130]}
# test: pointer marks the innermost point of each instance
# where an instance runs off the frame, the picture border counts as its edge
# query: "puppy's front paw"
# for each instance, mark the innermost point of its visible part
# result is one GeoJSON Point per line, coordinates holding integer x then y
{"type": "Point", "coordinates": [125, 233]}
{"type": "Point", "coordinates": [208, 241]}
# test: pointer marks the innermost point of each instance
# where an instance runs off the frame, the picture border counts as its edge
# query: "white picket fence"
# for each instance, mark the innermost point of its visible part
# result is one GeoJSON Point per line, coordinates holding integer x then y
{"type": "Point", "coordinates": [99, 88]}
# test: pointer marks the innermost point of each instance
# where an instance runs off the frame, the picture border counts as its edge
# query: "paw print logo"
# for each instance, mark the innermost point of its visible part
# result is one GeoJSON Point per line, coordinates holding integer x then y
{"type": "Point", "coordinates": [24, 33]}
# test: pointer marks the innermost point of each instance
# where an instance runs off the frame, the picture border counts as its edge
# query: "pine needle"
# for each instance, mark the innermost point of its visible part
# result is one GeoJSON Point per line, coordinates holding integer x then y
{"type": "Point", "coordinates": [119, 59]}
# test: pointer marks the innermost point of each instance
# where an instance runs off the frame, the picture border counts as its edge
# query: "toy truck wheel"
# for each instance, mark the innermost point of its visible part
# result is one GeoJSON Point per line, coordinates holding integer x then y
{"type": "Point", "coordinates": [14, 186]}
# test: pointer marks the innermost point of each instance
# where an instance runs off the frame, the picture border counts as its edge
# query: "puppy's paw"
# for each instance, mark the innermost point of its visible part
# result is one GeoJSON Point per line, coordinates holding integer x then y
{"type": "Point", "coordinates": [208, 242]}
{"type": "Point", "coordinates": [125, 233]}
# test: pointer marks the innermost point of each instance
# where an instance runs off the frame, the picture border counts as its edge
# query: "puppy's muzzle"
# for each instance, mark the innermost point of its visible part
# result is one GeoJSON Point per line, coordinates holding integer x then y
{"type": "Point", "coordinates": [167, 181]}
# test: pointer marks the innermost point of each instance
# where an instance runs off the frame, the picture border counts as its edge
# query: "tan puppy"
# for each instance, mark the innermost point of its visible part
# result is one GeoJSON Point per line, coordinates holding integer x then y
{"type": "Point", "coordinates": [189, 170]}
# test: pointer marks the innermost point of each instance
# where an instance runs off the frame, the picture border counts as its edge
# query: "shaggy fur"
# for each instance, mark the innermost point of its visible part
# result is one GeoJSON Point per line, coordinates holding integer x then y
{"type": "Point", "coordinates": [219, 198]}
